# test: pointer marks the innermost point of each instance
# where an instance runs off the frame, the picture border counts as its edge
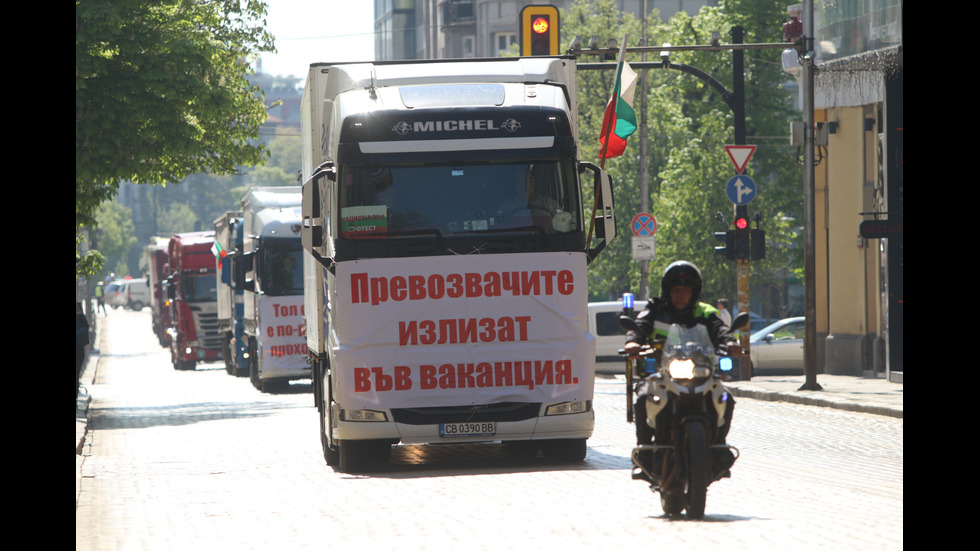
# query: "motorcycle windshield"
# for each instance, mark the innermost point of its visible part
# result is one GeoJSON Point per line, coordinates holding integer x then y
{"type": "Point", "coordinates": [689, 342]}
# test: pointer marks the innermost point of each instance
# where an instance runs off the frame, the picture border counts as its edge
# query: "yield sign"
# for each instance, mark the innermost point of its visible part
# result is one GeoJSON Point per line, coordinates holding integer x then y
{"type": "Point", "coordinates": [740, 155]}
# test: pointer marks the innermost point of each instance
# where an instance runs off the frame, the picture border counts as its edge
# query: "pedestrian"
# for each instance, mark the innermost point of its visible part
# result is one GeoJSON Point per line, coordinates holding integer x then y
{"type": "Point", "coordinates": [81, 340]}
{"type": "Point", "coordinates": [724, 312]}
{"type": "Point", "coordinates": [99, 298]}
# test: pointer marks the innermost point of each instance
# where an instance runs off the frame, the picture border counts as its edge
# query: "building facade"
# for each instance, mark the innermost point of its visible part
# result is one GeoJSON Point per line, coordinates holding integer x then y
{"type": "Point", "coordinates": [435, 29]}
{"type": "Point", "coordinates": [858, 106]}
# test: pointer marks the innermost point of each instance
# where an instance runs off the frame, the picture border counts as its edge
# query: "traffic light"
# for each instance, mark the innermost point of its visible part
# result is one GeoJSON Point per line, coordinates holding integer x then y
{"type": "Point", "coordinates": [539, 30]}
{"type": "Point", "coordinates": [743, 246]}
{"type": "Point", "coordinates": [728, 251]}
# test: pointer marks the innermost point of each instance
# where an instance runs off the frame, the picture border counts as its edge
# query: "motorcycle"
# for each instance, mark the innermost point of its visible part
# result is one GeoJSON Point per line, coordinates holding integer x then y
{"type": "Point", "coordinates": [681, 400]}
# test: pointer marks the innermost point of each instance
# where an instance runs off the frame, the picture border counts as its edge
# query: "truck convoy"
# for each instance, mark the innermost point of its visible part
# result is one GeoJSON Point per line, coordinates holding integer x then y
{"type": "Point", "coordinates": [227, 248]}
{"type": "Point", "coordinates": [446, 293]}
{"type": "Point", "coordinates": [156, 267]}
{"type": "Point", "coordinates": [192, 294]}
{"type": "Point", "coordinates": [270, 274]}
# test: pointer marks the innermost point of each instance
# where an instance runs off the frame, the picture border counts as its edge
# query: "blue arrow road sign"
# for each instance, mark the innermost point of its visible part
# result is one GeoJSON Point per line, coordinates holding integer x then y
{"type": "Point", "coordinates": [741, 190]}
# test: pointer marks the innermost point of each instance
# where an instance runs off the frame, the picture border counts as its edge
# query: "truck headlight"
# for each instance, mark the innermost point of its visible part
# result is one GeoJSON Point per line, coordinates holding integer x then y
{"type": "Point", "coordinates": [368, 415]}
{"type": "Point", "coordinates": [565, 408]}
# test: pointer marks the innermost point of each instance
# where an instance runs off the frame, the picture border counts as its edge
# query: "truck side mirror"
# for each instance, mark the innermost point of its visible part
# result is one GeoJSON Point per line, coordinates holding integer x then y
{"type": "Point", "coordinates": [603, 223]}
{"type": "Point", "coordinates": [242, 265]}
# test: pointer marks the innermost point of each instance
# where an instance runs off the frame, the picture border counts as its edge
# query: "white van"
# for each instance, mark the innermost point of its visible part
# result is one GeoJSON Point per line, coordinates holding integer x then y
{"type": "Point", "coordinates": [604, 326]}
{"type": "Point", "coordinates": [136, 293]}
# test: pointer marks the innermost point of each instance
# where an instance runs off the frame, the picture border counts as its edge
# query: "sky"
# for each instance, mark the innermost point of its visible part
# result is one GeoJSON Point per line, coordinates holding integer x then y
{"type": "Point", "coordinates": [310, 31]}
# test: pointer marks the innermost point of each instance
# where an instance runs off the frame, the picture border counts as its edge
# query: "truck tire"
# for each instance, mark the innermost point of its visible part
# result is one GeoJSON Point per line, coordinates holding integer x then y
{"type": "Point", "coordinates": [356, 456]}
{"type": "Point", "coordinates": [228, 354]}
{"type": "Point", "coordinates": [253, 365]}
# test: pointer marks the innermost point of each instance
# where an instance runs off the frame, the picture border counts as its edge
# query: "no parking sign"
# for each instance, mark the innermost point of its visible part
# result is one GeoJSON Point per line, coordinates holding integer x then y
{"type": "Point", "coordinates": [644, 226]}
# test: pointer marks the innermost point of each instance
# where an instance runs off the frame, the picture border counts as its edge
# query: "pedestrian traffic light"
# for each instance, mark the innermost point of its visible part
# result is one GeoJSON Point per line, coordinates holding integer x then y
{"type": "Point", "coordinates": [728, 251]}
{"type": "Point", "coordinates": [758, 248]}
{"type": "Point", "coordinates": [539, 30]}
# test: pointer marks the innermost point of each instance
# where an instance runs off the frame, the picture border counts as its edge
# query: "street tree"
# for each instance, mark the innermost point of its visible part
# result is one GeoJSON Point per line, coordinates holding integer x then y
{"type": "Point", "coordinates": [161, 92]}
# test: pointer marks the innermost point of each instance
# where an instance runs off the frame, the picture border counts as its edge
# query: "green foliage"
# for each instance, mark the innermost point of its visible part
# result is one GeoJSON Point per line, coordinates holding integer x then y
{"type": "Point", "coordinates": [161, 92]}
{"type": "Point", "coordinates": [688, 126]}
{"type": "Point", "coordinates": [115, 237]}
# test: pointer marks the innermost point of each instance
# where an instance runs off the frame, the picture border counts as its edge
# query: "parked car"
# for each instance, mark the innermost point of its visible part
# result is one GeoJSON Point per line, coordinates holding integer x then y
{"type": "Point", "coordinates": [604, 326]}
{"type": "Point", "coordinates": [778, 347]}
{"type": "Point", "coordinates": [114, 295]}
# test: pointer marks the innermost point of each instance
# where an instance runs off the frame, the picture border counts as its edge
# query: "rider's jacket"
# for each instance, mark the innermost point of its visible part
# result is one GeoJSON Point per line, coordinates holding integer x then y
{"type": "Point", "coordinates": [655, 320]}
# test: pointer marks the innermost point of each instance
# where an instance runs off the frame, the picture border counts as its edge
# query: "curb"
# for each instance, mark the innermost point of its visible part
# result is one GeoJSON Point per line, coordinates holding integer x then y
{"type": "Point", "coordinates": [809, 398]}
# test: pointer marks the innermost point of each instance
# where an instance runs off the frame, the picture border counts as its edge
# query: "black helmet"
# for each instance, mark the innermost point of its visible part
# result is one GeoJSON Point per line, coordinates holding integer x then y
{"type": "Point", "coordinates": [681, 272]}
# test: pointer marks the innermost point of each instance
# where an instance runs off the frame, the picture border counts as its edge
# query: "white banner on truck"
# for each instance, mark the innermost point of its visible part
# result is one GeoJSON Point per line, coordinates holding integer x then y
{"type": "Point", "coordinates": [284, 339]}
{"type": "Point", "coordinates": [462, 330]}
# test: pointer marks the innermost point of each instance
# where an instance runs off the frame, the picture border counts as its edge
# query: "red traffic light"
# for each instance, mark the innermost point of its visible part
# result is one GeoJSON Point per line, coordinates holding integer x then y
{"type": "Point", "coordinates": [540, 25]}
{"type": "Point", "coordinates": [741, 223]}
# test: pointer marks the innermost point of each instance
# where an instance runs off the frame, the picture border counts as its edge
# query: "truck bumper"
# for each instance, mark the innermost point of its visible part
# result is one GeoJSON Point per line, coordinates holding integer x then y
{"type": "Point", "coordinates": [569, 426]}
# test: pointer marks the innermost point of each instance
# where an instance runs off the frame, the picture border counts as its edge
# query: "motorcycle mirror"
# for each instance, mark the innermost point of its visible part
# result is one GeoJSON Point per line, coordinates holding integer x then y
{"type": "Point", "coordinates": [741, 322]}
{"type": "Point", "coordinates": [627, 323]}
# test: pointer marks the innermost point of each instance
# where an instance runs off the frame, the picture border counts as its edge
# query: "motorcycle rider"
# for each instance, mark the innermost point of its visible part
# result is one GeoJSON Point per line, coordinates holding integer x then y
{"type": "Point", "coordinates": [680, 291]}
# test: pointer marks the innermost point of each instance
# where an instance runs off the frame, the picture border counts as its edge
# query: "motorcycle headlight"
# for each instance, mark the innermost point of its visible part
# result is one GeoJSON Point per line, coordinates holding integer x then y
{"type": "Point", "coordinates": [686, 369]}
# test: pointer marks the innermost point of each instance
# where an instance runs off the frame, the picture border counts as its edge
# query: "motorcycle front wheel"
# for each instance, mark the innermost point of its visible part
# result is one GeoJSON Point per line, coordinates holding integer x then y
{"type": "Point", "coordinates": [672, 504]}
{"type": "Point", "coordinates": [698, 468]}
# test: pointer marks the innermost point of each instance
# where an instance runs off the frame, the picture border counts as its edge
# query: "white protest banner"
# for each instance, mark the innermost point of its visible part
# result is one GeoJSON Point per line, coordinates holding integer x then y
{"type": "Point", "coordinates": [284, 342]}
{"type": "Point", "coordinates": [461, 330]}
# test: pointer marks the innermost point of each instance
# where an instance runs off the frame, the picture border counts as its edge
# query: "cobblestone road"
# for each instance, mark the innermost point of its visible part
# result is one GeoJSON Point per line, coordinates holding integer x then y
{"type": "Point", "coordinates": [201, 460]}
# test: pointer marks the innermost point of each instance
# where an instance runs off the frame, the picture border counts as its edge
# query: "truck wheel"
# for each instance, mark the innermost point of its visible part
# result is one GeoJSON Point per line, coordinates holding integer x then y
{"type": "Point", "coordinates": [351, 456]}
{"type": "Point", "coordinates": [331, 453]}
{"type": "Point", "coordinates": [253, 365]}
{"type": "Point", "coordinates": [357, 456]}
{"type": "Point", "coordinates": [228, 354]}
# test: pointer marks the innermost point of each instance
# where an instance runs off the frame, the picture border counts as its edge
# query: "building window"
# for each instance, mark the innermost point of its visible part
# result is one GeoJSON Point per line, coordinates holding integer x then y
{"type": "Point", "coordinates": [502, 42]}
{"type": "Point", "coordinates": [469, 46]}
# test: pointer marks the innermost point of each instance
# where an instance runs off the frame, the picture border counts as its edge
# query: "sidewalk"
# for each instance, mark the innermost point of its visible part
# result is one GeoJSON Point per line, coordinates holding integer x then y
{"type": "Point", "coordinates": [878, 396]}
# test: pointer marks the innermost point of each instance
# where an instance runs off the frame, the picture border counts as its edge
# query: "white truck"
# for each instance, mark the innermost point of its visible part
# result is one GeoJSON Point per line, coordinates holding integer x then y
{"type": "Point", "coordinates": [227, 247]}
{"type": "Point", "coordinates": [446, 226]}
{"type": "Point", "coordinates": [270, 273]}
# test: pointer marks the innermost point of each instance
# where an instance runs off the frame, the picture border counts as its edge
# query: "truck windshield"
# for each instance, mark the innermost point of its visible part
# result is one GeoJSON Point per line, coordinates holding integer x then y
{"type": "Point", "coordinates": [390, 201]}
{"type": "Point", "coordinates": [199, 287]}
{"type": "Point", "coordinates": [282, 267]}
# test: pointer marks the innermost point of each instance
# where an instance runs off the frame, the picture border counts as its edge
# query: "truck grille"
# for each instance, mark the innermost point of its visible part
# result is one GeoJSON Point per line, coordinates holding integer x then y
{"type": "Point", "coordinates": [208, 326]}
{"type": "Point", "coordinates": [504, 411]}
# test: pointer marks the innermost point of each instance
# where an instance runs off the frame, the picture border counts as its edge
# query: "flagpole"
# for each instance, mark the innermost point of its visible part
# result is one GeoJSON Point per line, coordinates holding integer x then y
{"type": "Point", "coordinates": [605, 143]}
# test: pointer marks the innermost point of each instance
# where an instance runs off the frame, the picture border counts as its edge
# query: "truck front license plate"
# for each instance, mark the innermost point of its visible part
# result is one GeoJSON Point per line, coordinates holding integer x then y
{"type": "Point", "coordinates": [452, 430]}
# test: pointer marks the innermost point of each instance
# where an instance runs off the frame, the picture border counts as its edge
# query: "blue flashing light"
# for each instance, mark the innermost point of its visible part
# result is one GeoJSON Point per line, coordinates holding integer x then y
{"type": "Point", "coordinates": [726, 364]}
{"type": "Point", "coordinates": [627, 301]}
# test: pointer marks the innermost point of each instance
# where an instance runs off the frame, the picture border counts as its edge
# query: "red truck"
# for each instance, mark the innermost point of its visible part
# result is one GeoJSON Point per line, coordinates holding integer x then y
{"type": "Point", "coordinates": [193, 300]}
{"type": "Point", "coordinates": [156, 267]}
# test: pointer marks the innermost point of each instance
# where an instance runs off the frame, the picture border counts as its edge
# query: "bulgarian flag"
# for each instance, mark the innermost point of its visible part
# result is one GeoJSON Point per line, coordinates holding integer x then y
{"type": "Point", "coordinates": [619, 122]}
{"type": "Point", "coordinates": [218, 251]}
